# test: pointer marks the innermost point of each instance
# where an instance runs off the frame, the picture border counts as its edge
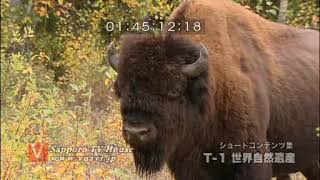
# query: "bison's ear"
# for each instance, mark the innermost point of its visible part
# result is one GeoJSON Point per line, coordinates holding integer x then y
{"type": "Point", "coordinates": [200, 65]}
{"type": "Point", "coordinates": [113, 58]}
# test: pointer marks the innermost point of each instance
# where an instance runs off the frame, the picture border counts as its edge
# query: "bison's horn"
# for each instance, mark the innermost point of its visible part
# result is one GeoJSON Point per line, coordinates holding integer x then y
{"type": "Point", "coordinates": [112, 56]}
{"type": "Point", "coordinates": [200, 65]}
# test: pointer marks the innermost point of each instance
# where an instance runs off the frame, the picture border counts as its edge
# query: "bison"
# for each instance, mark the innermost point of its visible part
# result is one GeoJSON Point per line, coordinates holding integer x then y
{"type": "Point", "coordinates": [243, 80]}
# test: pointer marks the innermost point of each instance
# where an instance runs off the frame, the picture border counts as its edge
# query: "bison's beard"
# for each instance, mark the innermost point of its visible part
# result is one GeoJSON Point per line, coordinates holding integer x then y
{"type": "Point", "coordinates": [148, 159]}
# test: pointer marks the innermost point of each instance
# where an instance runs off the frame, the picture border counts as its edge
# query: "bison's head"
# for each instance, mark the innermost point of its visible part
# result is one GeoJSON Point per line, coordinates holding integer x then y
{"type": "Point", "coordinates": [161, 86]}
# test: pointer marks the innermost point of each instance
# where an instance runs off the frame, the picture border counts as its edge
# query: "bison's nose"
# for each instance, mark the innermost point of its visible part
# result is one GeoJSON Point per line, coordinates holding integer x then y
{"type": "Point", "coordinates": [141, 132]}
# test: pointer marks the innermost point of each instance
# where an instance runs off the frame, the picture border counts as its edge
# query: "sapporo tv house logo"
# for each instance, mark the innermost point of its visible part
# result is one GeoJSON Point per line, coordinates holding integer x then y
{"type": "Point", "coordinates": [38, 152]}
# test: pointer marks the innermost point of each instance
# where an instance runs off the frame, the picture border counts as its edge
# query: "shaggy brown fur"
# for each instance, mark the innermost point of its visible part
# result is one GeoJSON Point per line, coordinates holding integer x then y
{"type": "Point", "coordinates": [262, 85]}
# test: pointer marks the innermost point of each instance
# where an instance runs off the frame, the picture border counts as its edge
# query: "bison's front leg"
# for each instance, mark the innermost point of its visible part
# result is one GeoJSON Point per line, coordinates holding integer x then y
{"type": "Point", "coordinates": [190, 170]}
{"type": "Point", "coordinates": [245, 118]}
{"type": "Point", "coordinates": [253, 172]}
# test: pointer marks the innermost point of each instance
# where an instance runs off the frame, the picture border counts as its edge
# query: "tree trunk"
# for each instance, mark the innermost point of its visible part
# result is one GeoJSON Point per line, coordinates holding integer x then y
{"type": "Point", "coordinates": [283, 11]}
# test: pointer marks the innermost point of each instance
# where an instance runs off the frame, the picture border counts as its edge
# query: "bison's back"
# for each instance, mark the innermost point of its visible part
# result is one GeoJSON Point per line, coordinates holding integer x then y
{"type": "Point", "coordinates": [294, 96]}
{"type": "Point", "coordinates": [277, 63]}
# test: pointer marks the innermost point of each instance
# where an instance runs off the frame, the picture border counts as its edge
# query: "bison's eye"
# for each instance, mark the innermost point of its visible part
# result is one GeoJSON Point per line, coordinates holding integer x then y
{"type": "Point", "coordinates": [175, 90]}
{"type": "Point", "coordinates": [173, 93]}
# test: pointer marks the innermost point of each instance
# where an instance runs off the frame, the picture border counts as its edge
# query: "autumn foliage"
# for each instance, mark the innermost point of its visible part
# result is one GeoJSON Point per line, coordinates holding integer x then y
{"type": "Point", "coordinates": [56, 85]}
